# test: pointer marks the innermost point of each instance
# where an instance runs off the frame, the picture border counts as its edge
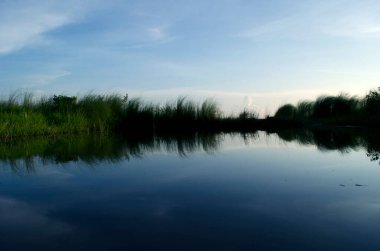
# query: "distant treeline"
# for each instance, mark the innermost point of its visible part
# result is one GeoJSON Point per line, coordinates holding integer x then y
{"type": "Point", "coordinates": [336, 110]}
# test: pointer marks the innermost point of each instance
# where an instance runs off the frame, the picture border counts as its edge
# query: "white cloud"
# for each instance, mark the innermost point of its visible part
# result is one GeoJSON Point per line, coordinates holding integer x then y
{"type": "Point", "coordinates": [26, 23]}
{"type": "Point", "coordinates": [157, 33]}
{"type": "Point", "coordinates": [16, 35]}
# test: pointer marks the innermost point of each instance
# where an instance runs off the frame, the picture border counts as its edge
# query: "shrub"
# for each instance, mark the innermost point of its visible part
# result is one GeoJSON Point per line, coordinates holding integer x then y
{"type": "Point", "coordinates": [287, 111]}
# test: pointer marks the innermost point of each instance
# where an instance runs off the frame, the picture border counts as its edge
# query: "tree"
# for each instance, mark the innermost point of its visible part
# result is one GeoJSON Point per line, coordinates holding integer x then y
{"type": "Point", "coordinates": [372, 102]}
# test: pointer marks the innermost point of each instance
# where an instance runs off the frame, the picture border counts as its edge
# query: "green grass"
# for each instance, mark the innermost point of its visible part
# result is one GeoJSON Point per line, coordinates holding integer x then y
{"type": "Point", "coordinates": [27, 116]}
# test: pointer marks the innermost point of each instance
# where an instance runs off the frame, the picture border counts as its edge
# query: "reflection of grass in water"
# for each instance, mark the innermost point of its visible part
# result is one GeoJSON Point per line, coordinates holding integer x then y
{"type": "Point", "coordinates": [341, 139]}
{"type": "Point", "coordinates": [59, 150]}
{"type": "Point", "coordinates": [21, 155]}
{"type": "Point", "coordinates": [184, 144]}
{"type": "Point", "coordinates": [327, 139]}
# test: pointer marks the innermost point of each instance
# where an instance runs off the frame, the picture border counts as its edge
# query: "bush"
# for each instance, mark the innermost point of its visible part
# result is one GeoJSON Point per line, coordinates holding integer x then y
{"type": "Point", "coordinates": [372, 103]}
{"type": "Point", "coordinates": [287, 111]}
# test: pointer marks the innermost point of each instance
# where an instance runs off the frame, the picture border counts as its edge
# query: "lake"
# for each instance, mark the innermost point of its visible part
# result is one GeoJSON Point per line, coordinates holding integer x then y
{"type": "Point", "coordinates": [294, 190]}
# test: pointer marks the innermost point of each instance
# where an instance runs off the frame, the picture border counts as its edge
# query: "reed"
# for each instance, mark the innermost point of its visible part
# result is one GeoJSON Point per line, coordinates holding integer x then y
{"type": "Point", "coordinates": [25, 115]}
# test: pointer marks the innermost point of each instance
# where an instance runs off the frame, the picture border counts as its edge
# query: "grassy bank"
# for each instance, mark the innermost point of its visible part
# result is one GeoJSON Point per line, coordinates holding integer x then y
{"type": "Point", "coordinates": [57, 115]}
{"type": "Point", "coordinates": [22, 116]}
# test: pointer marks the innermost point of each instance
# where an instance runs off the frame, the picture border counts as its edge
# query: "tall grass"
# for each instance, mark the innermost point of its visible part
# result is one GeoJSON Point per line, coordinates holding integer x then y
{"type": "Point", "coordinates": [26, 115]}
{"type": "Point", "coordinates": [184, 114]}
{"type": "Point", "coordinates": [187, 110]}
{"type": "Point", "coordinates": [331, 106]}
{"type": "Point", "coordinates": [304, 109]}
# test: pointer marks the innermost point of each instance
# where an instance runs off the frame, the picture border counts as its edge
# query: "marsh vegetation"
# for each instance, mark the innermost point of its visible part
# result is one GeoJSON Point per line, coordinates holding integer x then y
{"type": "Point", "coordinates": [28, 116]}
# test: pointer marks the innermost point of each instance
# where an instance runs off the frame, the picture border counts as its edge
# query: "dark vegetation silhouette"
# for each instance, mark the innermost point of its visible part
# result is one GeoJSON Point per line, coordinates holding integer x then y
{"type": "Point", "coordinates": [372, 103]}
{"type": "Point", "coordinates": [338, 110]}
{"type": "Point", "coordinates": [287, 111]}
{"type": "Point", "coordinates": [341, 106]}
{"type": "Point", "coordinates": [26, 116]}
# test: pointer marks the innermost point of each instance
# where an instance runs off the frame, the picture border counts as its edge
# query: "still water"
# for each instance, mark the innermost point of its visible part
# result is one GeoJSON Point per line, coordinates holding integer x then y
{"type": "Point", "coordinates": [260, 191]}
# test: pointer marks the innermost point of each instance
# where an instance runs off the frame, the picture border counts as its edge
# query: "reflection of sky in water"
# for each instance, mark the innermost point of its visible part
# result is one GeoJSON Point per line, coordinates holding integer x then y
{"type": "Point", "coordinates": [267, 196]}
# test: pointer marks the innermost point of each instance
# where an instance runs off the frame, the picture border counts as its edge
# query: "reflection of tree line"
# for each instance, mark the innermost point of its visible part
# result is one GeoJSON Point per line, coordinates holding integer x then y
{"type": "Point", "coordinates": [341, 139]}
{"type": "Point", "coordinates": [23, 154]}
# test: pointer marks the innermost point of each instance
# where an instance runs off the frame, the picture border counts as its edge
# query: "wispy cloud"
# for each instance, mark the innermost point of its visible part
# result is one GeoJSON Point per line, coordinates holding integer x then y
{"type": "Point", "coordinates": [26, 23]}
{"type": "Point", "coordinates": [336, 19]}
{"type": "Point", "coordinates": [157, 33]}
{"type": "Point", "coordinates": [136, 36]}
{"type": "Point", "coordinates": [45, 79]}
{"type": "Point", "coordinates": [29, 219]}
{"type": "Point", "coordinates": [16, 35]}
{"type": "Point", "coordinates": [270, 28]}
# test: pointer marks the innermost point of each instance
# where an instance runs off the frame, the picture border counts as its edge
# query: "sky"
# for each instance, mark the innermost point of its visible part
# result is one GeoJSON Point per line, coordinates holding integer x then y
{"type": "Point", "coordinates": [252, 54]}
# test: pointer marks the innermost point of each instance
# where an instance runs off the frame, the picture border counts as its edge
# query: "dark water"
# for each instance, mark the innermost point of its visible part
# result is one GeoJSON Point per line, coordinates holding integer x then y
{"type": "Point", "coordinates": [288, 191]}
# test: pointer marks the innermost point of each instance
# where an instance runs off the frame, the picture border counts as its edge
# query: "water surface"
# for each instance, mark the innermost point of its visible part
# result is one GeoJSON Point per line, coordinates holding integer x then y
{"type": "Point", "coordinates": [286, 191]}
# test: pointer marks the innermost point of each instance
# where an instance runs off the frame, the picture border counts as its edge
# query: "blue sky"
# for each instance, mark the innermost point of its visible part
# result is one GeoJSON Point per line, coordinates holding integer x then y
{"type": "Point", "coordinates": [242, 53]}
